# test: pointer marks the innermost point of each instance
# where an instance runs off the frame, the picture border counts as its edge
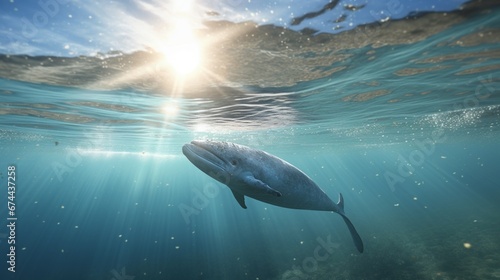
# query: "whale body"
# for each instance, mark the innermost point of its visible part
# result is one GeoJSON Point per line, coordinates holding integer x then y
{"type": "Point", "coordinates": [262, 176]}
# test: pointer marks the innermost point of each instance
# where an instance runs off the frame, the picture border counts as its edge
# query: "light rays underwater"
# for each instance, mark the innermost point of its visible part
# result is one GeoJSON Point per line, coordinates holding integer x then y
{"type": "Point", "coordinates": [396, 110]}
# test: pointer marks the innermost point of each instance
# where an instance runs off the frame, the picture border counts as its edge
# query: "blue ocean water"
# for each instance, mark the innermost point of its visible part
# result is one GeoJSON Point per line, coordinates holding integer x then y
{"type": "Point", "coordinates": [406, 127]}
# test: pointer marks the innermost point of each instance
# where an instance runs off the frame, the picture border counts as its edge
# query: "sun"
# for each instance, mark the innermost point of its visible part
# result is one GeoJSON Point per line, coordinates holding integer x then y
{"type": "Point", "coordinates": [181, 49]}
{"type": "Point", "coordinates": [183, 57]}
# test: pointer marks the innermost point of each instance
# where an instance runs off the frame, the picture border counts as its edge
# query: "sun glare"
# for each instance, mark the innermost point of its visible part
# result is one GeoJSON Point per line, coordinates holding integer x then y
{"type": "Point", "coordinates": [183, 57]}
{"type": "Point", "coordinates": [170, 109]}
{"type": "Point", "coordinates": [182, 50]}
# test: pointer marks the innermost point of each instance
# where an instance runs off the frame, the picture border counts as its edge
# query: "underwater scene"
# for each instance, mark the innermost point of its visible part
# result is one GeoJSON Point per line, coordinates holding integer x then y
{"type": "Point", "coordinates": [244, 139]}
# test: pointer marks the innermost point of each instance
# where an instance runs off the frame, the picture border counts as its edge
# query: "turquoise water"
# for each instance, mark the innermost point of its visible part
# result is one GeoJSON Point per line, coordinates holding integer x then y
{"type": "Point", "coordinates": [406, 127]}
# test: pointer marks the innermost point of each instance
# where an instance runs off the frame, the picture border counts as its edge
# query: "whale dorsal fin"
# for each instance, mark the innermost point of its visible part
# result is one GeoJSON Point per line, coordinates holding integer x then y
{"type": "Point", "coordinates": [240, 198]}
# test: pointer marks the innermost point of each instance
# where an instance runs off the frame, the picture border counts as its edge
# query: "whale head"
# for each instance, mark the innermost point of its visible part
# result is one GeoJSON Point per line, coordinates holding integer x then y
{"type": "Point", "coordinates": [219, 160]}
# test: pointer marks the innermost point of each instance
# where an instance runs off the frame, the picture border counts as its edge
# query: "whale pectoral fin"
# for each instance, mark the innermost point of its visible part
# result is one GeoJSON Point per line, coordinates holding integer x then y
{"type": "Point", "coordinates": [240, 198]}
{"type": "Point", "coordinates": [259, 186]}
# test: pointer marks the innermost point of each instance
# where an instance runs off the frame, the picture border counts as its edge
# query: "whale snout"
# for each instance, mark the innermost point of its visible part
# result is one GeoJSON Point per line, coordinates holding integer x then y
{"type": "Point", "coordinates": [204, 157]}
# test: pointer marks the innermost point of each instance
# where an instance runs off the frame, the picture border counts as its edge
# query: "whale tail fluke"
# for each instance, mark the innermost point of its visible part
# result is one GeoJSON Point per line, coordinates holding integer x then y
{"type": "Point", "coordinates": [354, 234]}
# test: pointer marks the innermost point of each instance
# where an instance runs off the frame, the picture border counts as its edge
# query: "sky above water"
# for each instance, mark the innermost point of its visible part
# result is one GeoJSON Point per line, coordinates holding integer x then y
{"type": "Point", "coordinates": [77, 27]}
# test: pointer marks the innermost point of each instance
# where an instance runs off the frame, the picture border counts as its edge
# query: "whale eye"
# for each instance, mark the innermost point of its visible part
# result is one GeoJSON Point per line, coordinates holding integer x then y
{"type": "Point", "coordinates": [234, 162]}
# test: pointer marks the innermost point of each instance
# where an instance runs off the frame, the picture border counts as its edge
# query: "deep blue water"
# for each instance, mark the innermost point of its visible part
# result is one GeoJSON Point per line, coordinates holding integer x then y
{"type": "Point", "coordinates": [406, 131]}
